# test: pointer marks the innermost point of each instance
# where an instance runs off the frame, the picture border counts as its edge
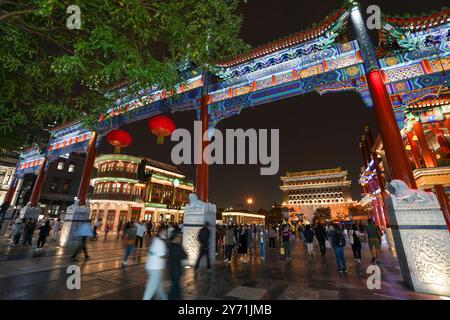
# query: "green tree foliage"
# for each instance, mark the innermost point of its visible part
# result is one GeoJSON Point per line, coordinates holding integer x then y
{"type": "Point", "coordinates": [321, 215]}
{"type": "Point", "coordinates": [50, 74]}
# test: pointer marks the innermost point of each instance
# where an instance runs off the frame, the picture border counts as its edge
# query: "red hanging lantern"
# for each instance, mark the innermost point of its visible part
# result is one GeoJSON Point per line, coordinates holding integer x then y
{"type": "Point", "coordinates": [162, 126]}
{"type": "Point", "coordinates": [119, 139]}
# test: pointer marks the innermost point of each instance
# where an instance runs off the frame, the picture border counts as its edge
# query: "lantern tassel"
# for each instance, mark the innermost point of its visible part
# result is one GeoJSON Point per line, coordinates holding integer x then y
{"type": "Point", "coordinates": [160, 140]}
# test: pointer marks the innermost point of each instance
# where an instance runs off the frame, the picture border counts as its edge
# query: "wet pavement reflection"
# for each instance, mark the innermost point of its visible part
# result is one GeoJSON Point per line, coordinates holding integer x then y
{"type": "Point", "coordinates": [26, 274]}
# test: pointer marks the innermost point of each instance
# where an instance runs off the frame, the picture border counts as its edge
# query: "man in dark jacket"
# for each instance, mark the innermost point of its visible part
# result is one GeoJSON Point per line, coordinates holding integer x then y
{"type": "Point", "coordinates": [175, 257]}
{"type": "Point", "coordinates": [321, 236]}
{"type": "Point", "coordinates": [203, 238]}
{"type": "Point", "coordinates": [43, 234]}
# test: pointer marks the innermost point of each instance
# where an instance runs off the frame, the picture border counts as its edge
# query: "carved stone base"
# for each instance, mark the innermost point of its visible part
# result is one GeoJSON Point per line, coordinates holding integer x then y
{"type": "Point", "coordinates": [193, 220]}
{"type": "Point", "coordinates": [74, 217]}
{"type": "Point", "coordinates": [8, 221]}
{"type": "Point", "coordinates": [422, 242]}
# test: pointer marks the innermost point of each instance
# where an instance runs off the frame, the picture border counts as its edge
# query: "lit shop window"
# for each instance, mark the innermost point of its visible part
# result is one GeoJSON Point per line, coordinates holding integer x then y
{"type": "Point", "coordinates": [116, 187]}
{"type": "Point", "coordinates": [130, 167]}
{"type": "Point", "coordinates": [106, 187]}
{"type": "Point", "coordinates": [71, 168]}
{"type": "Point", "coordinates": [60, 166]}
{"type": "Point", "coordinates": [126, 188]}
{"type": "Point", "coordinates": [111, 166]}
{"type": "Point", "coordinates": [120, 166]}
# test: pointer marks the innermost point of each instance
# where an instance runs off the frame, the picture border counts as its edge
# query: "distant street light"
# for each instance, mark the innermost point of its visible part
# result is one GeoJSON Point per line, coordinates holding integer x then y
{"type": "Point", "coordinates": [249, 201]}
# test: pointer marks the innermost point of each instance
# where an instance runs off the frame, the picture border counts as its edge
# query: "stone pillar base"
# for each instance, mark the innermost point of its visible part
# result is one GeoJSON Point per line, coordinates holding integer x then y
{"type": "Point", "coordinates": [421, 238]}
{"type": "Point", "coordinates": [8, 221]}
{"type": "Point", "coordinates": [74, 217]}
{"type": "Point", "coordinates": [196, 214]}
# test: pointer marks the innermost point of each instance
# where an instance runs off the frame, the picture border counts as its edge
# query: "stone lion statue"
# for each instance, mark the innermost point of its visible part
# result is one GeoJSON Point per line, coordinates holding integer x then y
{"type": "Point", "coordinates": [406, 195]}
{"type": "Point", "coordinates": [195, 202]}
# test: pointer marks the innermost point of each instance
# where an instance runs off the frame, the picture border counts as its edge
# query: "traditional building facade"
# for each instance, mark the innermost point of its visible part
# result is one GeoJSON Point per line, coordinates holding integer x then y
{"type": "Point", "coordinates": [304, 192]}
{"type": "Point", "coordinates": [120, 193]}
{"type": "Point", "coordinates": [8, 161]}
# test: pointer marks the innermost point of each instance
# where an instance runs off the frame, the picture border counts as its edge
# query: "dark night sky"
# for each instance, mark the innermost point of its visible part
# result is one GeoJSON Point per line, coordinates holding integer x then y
{"type": "Point", "coordinates": [316, 132]}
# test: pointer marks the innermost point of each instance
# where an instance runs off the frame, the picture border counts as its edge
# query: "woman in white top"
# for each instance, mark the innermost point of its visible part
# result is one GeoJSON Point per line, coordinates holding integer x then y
{"type": "Point", "coordinates": [155, 266]}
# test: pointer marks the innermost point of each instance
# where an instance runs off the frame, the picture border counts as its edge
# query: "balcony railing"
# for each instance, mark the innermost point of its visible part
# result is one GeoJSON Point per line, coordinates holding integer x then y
{"type": "Point", "coordinates": [116, 174]}
{"type": "Point", "coordinates": [117, 196]}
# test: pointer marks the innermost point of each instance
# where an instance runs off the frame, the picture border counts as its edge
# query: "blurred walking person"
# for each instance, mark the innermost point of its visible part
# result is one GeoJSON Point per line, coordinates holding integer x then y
{"type": "Point", "coordinates": [56, 229]}
{"type": "Point", "coordinates": [309, 239]}
{"type": "Point", "coordinates": [44, 231]}
{"type": "Point", "coordinates": [229, 243]}
{"type": "Point", "coordinates": [140, 230]}
{"type": "Point", "coordinates": [174, 261]}
{"type": "Point", "coordinates": [30, 226]}
{"type": "Point", "coordinates": [355, 241]}
{"type": "Point", "coordinates": [17, 230]}
{"type": "Point", "coordinates": [84, 232]}
{"type": "Point", "coordinates": [130, 234]}
{"type": "Point", "coordinates": [203, 238]}
{"type": "Point", "coordinates": [286, 237]}
{"type": "Point", "coordinates": [262, 243]}
{"type": "Point", "coordinates": [321, 236]}
{"type": "Point", "coordinates": [338, 242]}
{"type": "Point", "coordinates": [155, 266]}
{"type": "Point", "coordinates": [242, 246]}
{"type": "Point", "coordinates": [271, 237]}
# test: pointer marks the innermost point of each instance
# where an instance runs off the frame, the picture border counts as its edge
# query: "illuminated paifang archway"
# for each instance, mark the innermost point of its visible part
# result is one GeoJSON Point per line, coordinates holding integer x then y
{"type": "Point", "coordinates": [312, 60]}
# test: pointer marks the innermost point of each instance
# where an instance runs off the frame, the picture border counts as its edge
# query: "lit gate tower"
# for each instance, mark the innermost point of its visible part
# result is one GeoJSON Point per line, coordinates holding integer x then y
{"type": "Point", "coordinates": [304, 192]}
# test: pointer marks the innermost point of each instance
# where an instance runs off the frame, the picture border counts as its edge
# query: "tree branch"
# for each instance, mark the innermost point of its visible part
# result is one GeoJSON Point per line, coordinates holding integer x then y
{"type": "Point", "coordinates": [16, 13]}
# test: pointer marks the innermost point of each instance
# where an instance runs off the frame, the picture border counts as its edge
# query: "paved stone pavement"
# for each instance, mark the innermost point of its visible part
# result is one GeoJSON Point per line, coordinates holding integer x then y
{"type": "Point", "coordinates": [25, 275]}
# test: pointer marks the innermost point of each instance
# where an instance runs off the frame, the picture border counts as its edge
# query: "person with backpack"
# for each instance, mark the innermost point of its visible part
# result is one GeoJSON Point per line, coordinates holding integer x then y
{"type": "Point", "coordinates": [355, 241]}
{"type": "Point", "coordinates": [338, 243]}
{"type": "Point", "coordinates": [203, 238]}
{"type": "Point", "coordinates": [309, 239]}
{"type": "Point", "coordinates": [286, 237]}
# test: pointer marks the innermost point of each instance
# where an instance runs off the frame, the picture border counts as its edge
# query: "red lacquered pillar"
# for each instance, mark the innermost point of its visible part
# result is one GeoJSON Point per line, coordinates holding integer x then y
{"type": "Point", "coordinates": [389, 131]}
{"type": "Point", "coordinates": [202, 168]}
{"type": "Point", "coordinates": [414, 149]}
{"type": "Point", "coordinates": [36, 194]}
{"type": "Point", "coordinates": [87, 170]}
{"type": "Point", "coordinates": [430, 162]}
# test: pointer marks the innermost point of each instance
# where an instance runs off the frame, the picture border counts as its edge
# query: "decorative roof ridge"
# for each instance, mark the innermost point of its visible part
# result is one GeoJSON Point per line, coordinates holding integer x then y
{"type": "Point", "coordinates": [64, 125]}
{"type": "Point", "coordinates": [414, 18]}
{"type": "Point", "coordinates": [282, 43]}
